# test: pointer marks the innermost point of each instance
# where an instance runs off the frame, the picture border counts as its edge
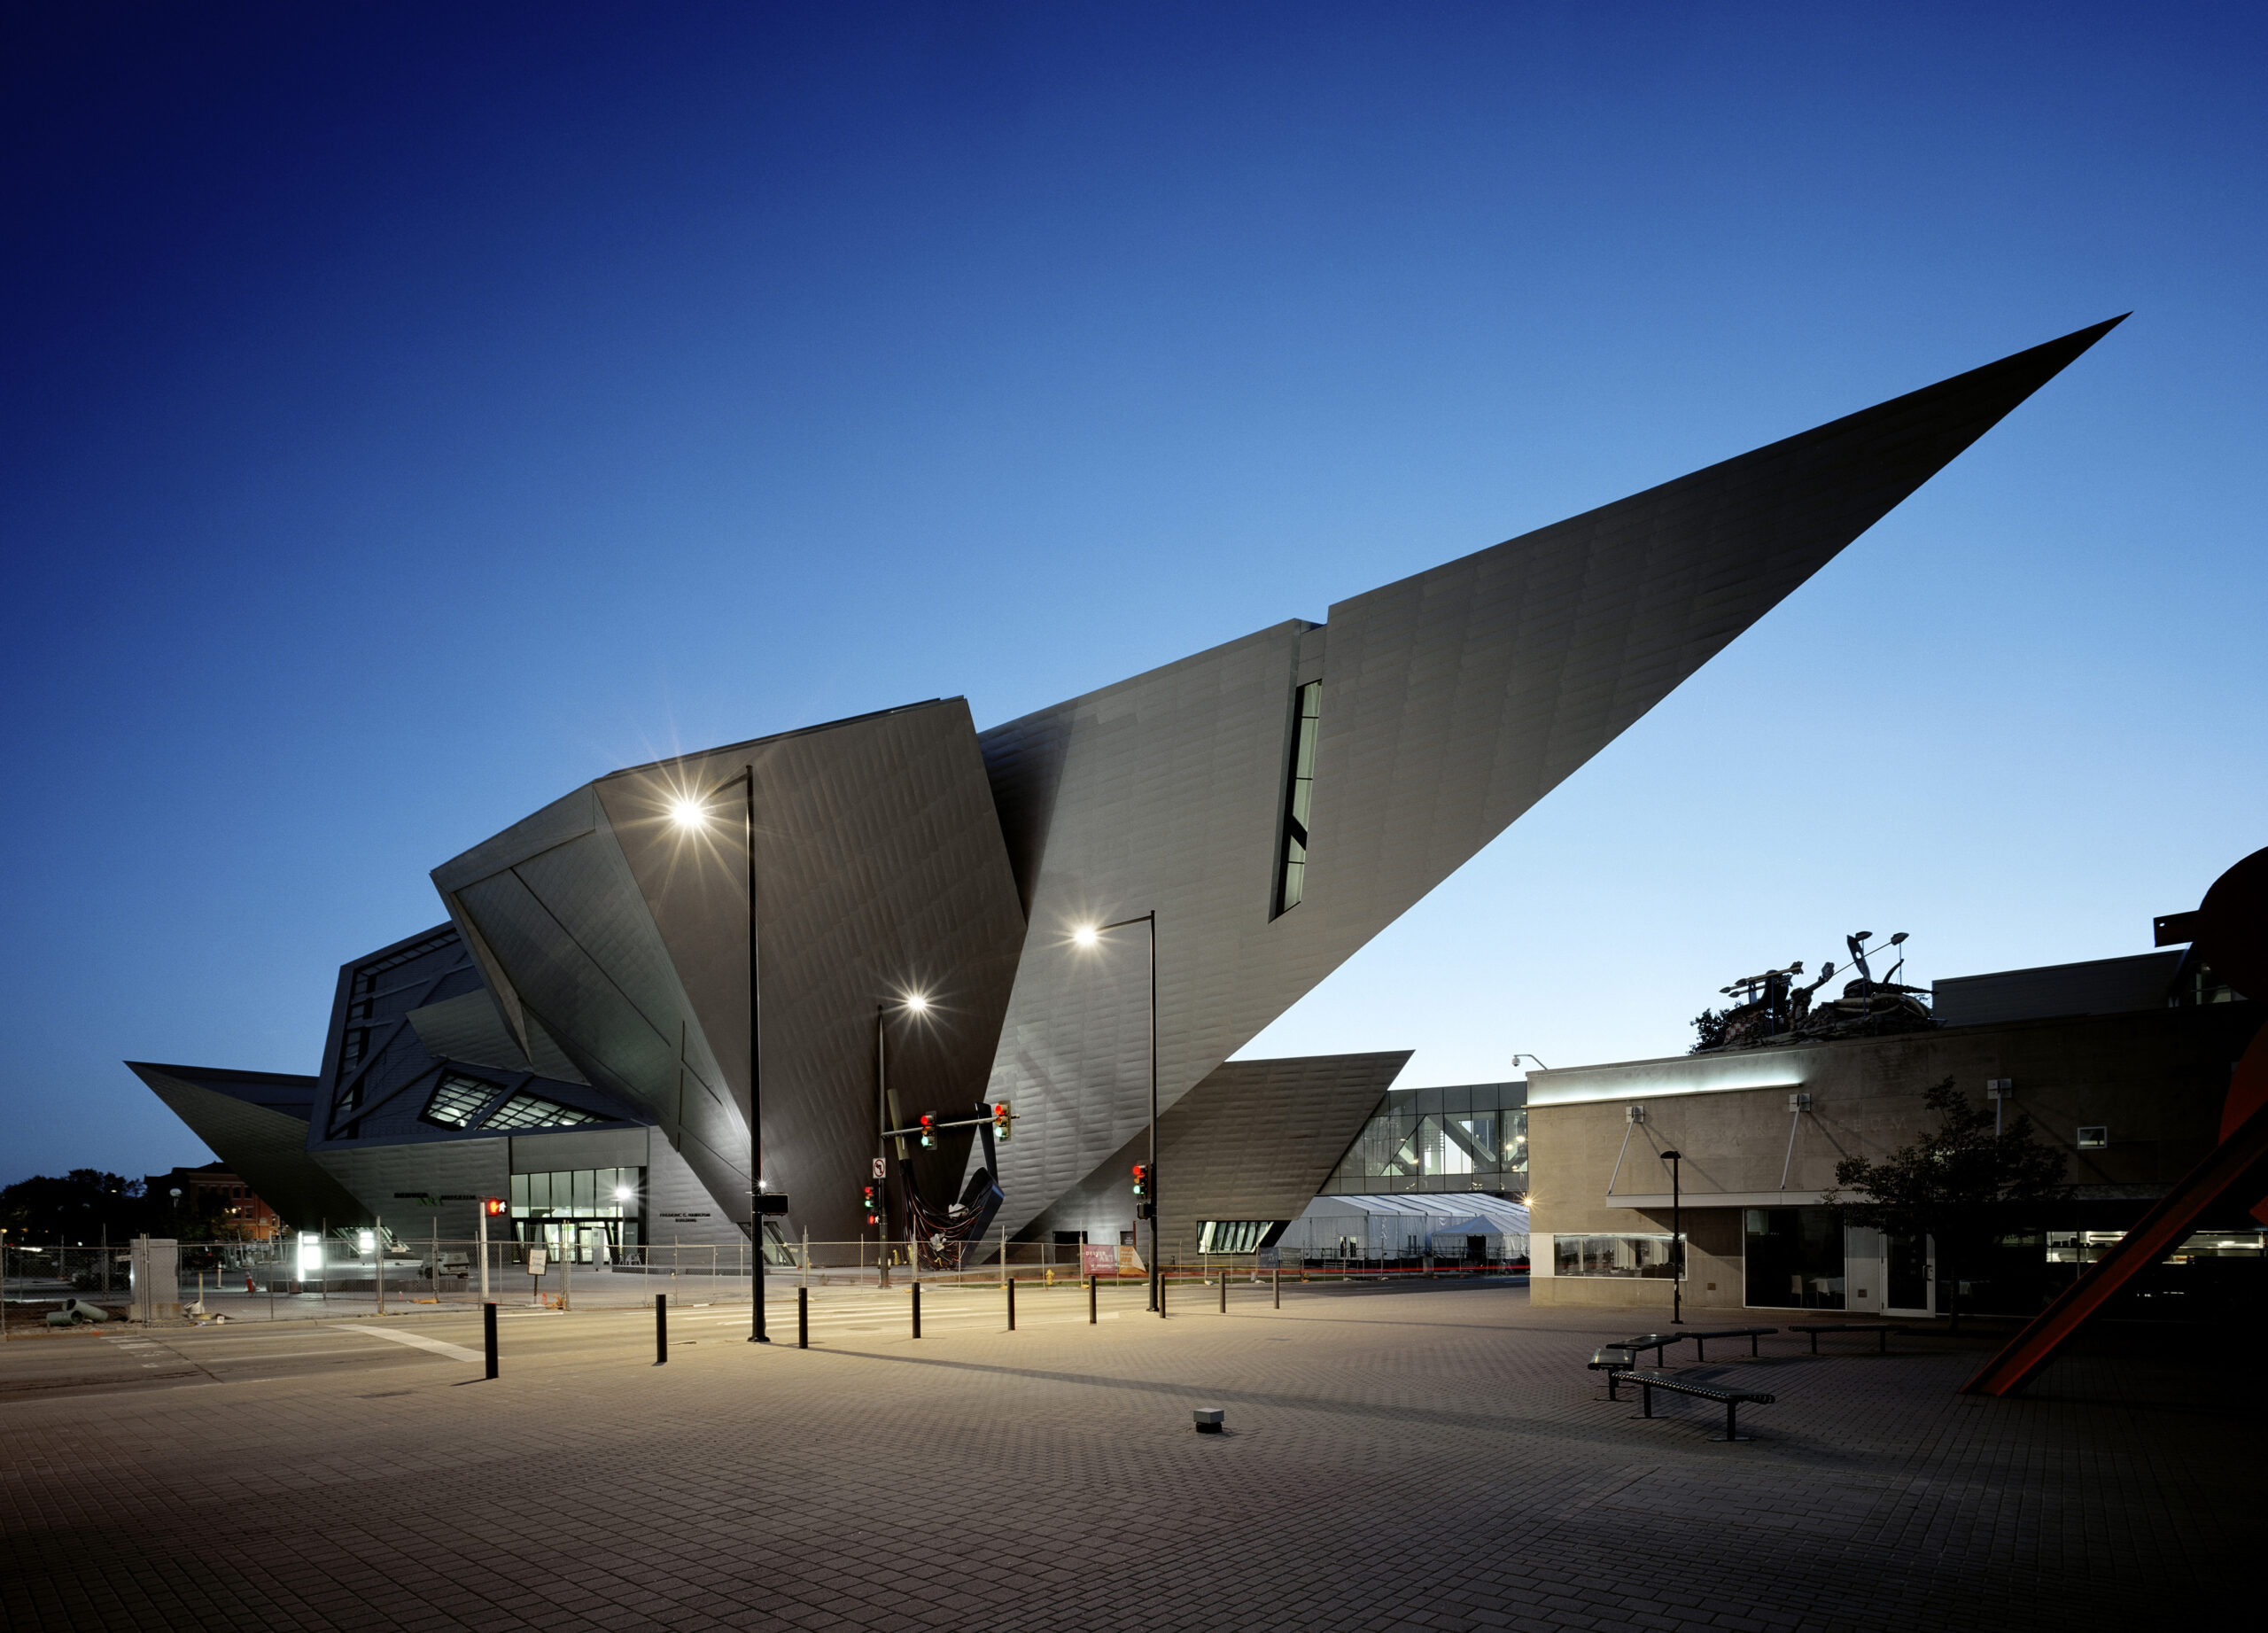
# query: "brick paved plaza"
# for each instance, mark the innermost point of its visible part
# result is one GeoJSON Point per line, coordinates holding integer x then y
{"type": "Point", "coordinates": [1428, 1456]}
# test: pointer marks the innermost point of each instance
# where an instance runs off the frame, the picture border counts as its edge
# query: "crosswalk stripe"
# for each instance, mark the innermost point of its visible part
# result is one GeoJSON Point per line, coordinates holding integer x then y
{"type": "Point", "coordinates": [415, 1341]}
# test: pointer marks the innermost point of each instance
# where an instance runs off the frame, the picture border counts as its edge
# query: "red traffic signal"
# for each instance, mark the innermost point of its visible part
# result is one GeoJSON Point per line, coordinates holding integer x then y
{"type": "Point", "coordinates": [1002, 1117]}
{"type": "Point", "coordinates": [873, 1208]}
{"type": "Point", "coordinates": [1141, 1179]}
{"type": "Point", "coordinates": [928, 1131]}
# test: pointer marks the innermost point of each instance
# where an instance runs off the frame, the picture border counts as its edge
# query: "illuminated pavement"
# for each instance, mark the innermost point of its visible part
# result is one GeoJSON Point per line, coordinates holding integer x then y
{"type": "Point", "coordinates": [1425, 1456]}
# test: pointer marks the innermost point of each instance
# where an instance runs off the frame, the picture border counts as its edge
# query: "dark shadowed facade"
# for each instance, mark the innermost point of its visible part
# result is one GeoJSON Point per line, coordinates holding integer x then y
{"type": "Point", "coordinates": [1274, 802]}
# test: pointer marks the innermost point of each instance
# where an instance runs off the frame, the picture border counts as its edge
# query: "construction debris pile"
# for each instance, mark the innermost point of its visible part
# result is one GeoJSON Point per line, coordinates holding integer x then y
{"type": "Point", "coordinates": [1771, 1008]}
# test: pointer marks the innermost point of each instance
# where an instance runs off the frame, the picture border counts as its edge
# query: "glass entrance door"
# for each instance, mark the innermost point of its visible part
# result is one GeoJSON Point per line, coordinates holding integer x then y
{"type": "Point", "coordinates": [1909, 1282]}
{"type": "Point", "coordinates": [585, 1242]}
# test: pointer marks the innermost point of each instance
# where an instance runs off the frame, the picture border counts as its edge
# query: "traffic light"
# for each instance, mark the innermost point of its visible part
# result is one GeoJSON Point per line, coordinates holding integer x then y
{"type": "Point", "coordinates": [873, 1207]}
{"type": "Point", "coordinates": [1002, 1117]}
{"type": "Point", "coordinates": [1141, 1179]}
{"type": "Point", "coordinates": [493, 1206]}
{"type": "Point", "coordinates": [929, 1132]}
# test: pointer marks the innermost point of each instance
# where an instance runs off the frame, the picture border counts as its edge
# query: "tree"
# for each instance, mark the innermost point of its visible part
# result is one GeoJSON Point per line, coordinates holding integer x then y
{"type": "Point", "coordinates": [1956, 1182]}
{"type": "Point", "coordinates": [77, 1208]}
{"type": "Point", "coordinates": [1708, 1031]}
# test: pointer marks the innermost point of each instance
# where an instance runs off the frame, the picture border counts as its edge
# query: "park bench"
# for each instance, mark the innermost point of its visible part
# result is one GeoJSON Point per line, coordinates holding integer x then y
{"type": "Point", "coordinates": [1885, 1328]}
{"type": "Point", "coordinates": [1613, 1360]}
{"type": "Point", "coordinates": [1751, 1333]}
{"type": "Point", "coordinates": [1655, 1342]}
{"type": "Point", "coordinates": [1733, 1399]}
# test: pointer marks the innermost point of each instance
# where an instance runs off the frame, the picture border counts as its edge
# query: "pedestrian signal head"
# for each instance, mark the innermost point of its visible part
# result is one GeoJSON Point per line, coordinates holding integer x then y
{"type": "Point", "coordinates": [492, 1205]}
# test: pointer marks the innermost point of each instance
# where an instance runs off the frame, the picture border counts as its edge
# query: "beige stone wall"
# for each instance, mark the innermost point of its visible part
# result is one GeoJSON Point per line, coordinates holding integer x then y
{"type": "Point", "coordinates": [2154, 1079]}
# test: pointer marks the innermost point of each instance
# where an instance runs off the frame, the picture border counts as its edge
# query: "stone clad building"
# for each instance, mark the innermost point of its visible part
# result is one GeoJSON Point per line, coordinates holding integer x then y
{"type": "Point", "coordinates": [2121, 1063]}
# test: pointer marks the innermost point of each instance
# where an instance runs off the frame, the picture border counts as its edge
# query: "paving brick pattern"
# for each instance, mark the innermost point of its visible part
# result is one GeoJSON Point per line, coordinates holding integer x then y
{"type": "Point", "coordinates": [1405, 1459]}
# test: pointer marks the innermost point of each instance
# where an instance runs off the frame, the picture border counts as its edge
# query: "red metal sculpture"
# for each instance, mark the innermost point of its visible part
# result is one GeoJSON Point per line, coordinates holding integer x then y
{"type": "Point", "coordinates": [2230, 931]}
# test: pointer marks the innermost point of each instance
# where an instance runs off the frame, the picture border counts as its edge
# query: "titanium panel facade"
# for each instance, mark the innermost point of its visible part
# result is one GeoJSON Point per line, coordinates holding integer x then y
{"type": "Point", "coordinates": [1452, 701]}
{"type": "Point", "coordinates": [597, 956]}
{"type": "Point", "coordinates": [1255, 1141]}
{"type": "Point", "coordinates": [256, 1124]}
{"type": "Point", "coordinates": [880, 872]}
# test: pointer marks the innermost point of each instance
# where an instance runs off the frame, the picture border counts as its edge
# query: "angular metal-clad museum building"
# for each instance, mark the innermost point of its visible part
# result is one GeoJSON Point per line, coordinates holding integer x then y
{"type": "Point", "coordinates": [868, 921]}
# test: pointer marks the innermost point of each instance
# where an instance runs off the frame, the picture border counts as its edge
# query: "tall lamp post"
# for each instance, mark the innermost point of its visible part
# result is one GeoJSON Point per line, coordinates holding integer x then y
{"type": "Point", "coordinates": [692, 813]}
{"type": "Point", "coordinates": [1676, 1242]}
{"type": "Point", "coordinates": [914, 1004]}
{"type": "Point", "coordinates": [1086, 935]}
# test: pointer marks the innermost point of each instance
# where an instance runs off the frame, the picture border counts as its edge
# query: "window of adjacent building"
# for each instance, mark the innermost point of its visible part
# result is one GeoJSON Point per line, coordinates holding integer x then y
{"type": "Point", "coordinates": [1637, 1254]}
{"type": "Point", "coordinates": [525, 1111]}
{"type": "Point", "coordinates": [1794, 1258]}
{"type": "Point", "coordinates": [1307, 711]}
{"type": "Point", "coordinates": [456, 1100]}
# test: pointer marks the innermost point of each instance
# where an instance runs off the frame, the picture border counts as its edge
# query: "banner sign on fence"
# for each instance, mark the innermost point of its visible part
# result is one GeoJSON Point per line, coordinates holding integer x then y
{"type": "Point", "coordinates": [1094, 1261]}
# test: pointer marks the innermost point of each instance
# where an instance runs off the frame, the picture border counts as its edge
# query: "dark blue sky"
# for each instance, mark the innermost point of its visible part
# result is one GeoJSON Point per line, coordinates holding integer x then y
{"type": "Point", "coordinates": [410, 415]}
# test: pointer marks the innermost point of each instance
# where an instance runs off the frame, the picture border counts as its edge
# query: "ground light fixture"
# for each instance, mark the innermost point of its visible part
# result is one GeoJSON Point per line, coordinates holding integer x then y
{"type": "Point", "coordinates": [1087, 936]}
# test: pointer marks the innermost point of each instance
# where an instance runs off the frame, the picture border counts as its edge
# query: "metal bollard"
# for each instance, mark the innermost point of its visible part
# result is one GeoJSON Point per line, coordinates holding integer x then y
{"type": "Point", "coordinates": [661, 1329]}
{"type": "Point", "coordinates": [1161, 1295]}
{"type": "Point", "coordinates": [1279, 1286]}
{"type": "Point", "coordinates": [1012, 1303]}
{"type": "Point", "coordinates": [1224, 1289]}
{"type": "Point", "coordinates": [917, 1310]}
{"type": "Point", "coordinates": [488, 1334]}
{"type": "Point", "coordinates": [803, 1318]}
{"type": "Point", "coordinates": [1091, 1280]}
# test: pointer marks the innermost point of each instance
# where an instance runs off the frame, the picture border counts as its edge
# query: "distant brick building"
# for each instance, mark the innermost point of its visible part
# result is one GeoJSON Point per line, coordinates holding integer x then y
{"type": "Point", "coordinates": [213, 1192]}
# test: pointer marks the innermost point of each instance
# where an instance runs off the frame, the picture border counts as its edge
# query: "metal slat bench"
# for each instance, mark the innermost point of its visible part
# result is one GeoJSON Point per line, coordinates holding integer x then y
{"type": "Point", "coordinates": [1751, 1333]}
{"type": "Point", "coordinates": [1613, 1360]}
{"type": "Point", "coordinates": [1655, 1342]}
{"type": "Point", "coordinates": [1733, 1399]}
{"type": "Point", "coordinates": [1815, 1328]}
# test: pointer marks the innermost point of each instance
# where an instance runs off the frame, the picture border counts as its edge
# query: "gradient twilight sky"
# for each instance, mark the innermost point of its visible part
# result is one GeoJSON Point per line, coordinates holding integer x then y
{"type": "Point", "coordinates": [411, 412]}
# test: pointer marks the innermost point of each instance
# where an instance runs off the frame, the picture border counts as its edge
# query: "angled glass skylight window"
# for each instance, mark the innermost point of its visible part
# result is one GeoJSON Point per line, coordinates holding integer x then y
{"type": "Point", "coordinates": [1307, 720]}
{"type": "Point", "coordinates": [456, 1100]}
{"type": "Point", "coordinates": [526, 1111]}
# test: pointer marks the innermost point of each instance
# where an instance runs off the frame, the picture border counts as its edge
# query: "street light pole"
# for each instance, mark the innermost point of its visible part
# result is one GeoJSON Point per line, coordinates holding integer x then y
{"type": "Point", "coordinates": [692, 813]}
{"type": "Point", "coordinates": [1676, 1242]}
{"type": "Point", "coordinates": [1086, 937]}
{"type": "Point", "coordinates": [881, 1150]}
{"type": "Point", "coordinates": [747, 779]}
{"type": "Point", "coordinates": [913, 1003]}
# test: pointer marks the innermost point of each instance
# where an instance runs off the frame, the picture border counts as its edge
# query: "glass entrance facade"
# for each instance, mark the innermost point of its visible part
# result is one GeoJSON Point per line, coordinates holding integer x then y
{"type": "Point", "coordinates": [1472, 1136]}
{"type": "Point", "coordinates": [588, 1215]}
